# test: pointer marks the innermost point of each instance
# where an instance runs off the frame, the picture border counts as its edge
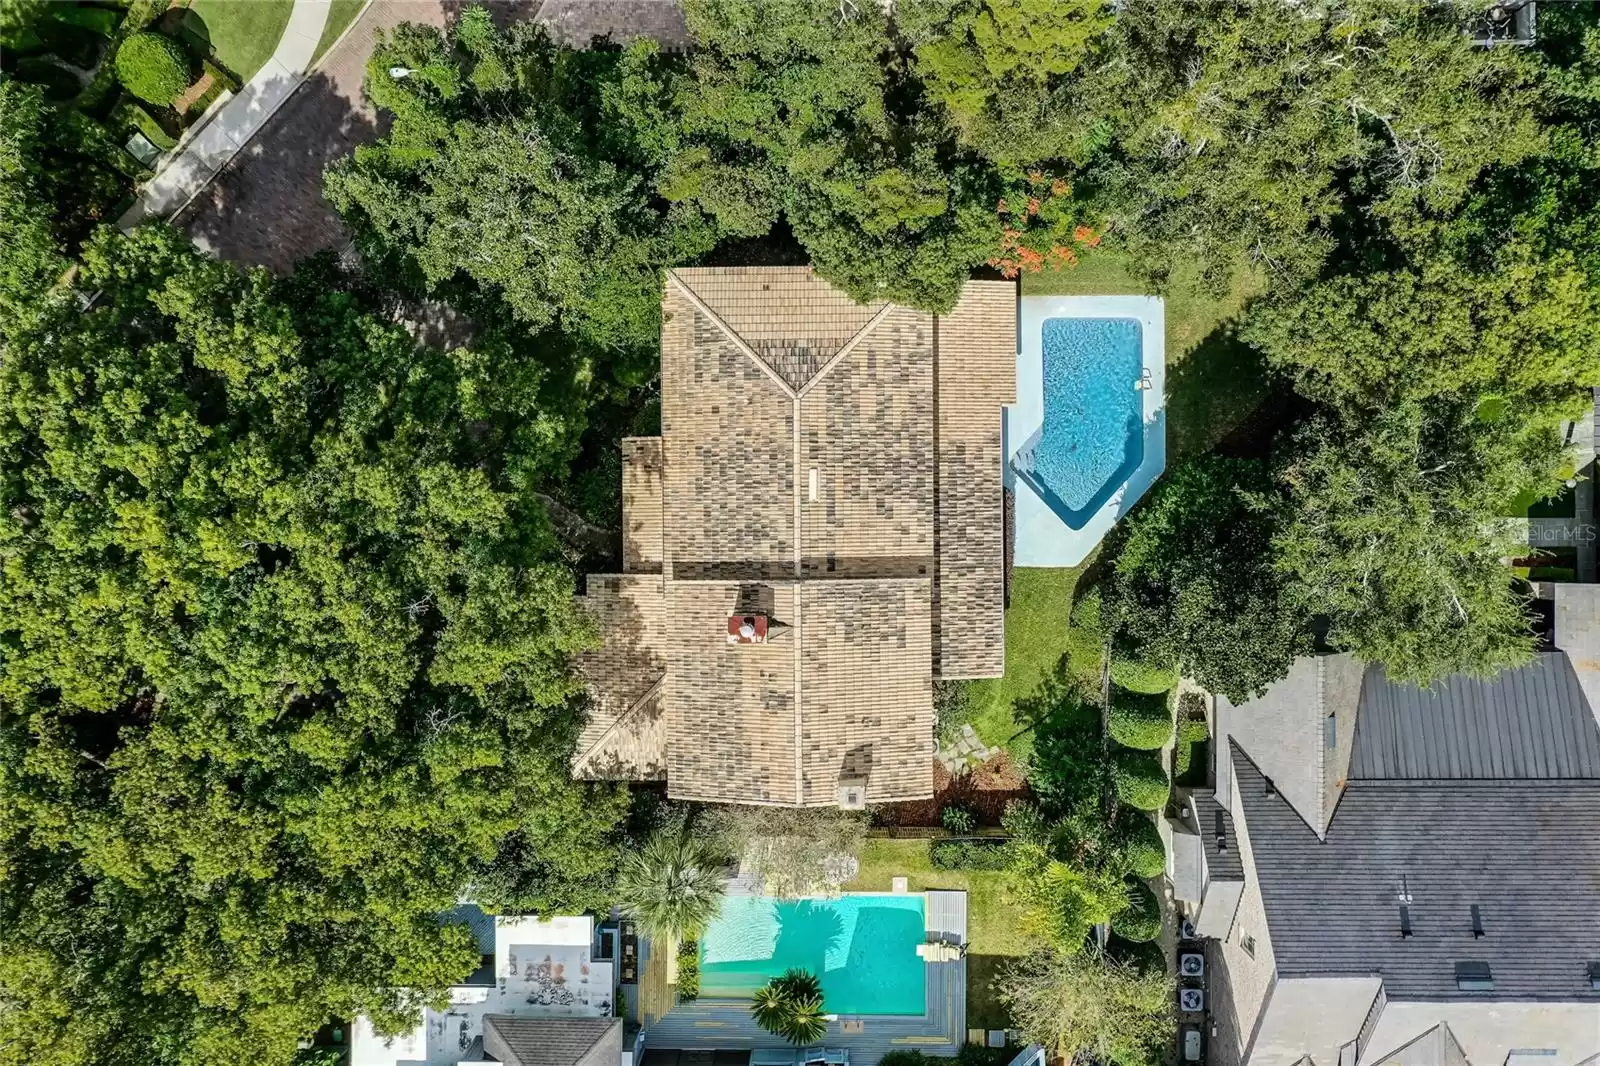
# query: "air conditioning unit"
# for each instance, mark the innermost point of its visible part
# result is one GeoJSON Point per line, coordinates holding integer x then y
{"type": "Point", "coordinates": [1192, 1000]}
{"type": "Point", "coordinates": [853, 793]}
{"type": "Point", "coordinates": [1186, 930]}
{"type": "Point", "coordinates": [1192, 964]}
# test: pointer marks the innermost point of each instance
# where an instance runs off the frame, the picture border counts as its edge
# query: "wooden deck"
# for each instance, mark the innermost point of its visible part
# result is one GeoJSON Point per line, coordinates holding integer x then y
{"type": "Point", "coordinates": [725, 1025]}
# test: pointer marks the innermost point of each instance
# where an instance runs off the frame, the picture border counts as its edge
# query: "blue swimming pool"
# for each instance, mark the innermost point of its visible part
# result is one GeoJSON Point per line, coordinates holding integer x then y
{"type": "Point", "coordinates": [863, 947]}
{"type": "Point", "coordinates": [1092, 436]}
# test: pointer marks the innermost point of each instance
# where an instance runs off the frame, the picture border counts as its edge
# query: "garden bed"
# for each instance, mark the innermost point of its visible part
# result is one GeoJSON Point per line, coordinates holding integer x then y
{"type": "Point", "coordinates": [985, 791]}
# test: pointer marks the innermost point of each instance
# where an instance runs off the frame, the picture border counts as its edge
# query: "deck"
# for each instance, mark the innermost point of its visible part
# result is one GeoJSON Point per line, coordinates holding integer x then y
{"type": "Point", "coordinates": [726, 1025]}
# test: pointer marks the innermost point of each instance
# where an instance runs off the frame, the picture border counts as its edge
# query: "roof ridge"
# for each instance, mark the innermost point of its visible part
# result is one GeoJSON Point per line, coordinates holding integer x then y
{"type": "Point", "coordinates": [845, 349]}
{"type": "Point", "coordinates": [633, 708]}
{"type": "Point", "coordinates": [728, 331]}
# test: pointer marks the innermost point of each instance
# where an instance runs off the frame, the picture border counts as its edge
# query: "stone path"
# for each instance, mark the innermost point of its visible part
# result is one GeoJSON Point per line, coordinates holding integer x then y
{"type": "Point", "coordinates": [237, 121]}
{"type": "Point", "coordinates": [965, 752]}
{"type": "Point", "coordinates": [265, 208]}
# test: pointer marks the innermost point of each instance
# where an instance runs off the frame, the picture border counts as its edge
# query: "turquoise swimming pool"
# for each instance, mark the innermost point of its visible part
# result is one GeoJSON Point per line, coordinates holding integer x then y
{"type": "Point", "coordinates": [863, 947]}
{"type": "Point", "coordinates": [1092, 437]}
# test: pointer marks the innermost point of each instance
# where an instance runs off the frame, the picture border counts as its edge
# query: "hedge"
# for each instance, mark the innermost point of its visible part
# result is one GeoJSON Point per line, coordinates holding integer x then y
{"type": "Point", "coordinates": [1140, 844]}
{"type": "Point", "coordinates": [1141, 922]}
{"type": "Point", "coordinates": [1140, 720]}
{"type": "Point", "coordinates": [1086, 634]}
{"type": "Point", "coordinates": [1142, 675]}
{"type": "Point", "coordinates": [688, 970]}
{"type": "Point", "coordinates": [989, 854]}
{"type": "Point", "coordinates": [1141, 780]}
{"type": "Point", "coordinates": [153, 68]}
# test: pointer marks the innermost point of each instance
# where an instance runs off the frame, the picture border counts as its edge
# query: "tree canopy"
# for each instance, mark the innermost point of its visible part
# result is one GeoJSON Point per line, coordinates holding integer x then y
{"type": "Point", "coordinates": [284, 661]}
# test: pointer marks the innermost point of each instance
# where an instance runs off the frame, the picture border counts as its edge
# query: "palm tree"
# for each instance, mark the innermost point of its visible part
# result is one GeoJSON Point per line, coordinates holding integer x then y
{"type": "Point", "coordinates": [790, 1006]}
{"type": "Point", "coordinates": [672, 887]}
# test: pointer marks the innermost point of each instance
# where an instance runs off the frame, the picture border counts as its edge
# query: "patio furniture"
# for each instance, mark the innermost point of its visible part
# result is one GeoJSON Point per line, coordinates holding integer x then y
{"type": "Point", "coordinates": [853, 1026]}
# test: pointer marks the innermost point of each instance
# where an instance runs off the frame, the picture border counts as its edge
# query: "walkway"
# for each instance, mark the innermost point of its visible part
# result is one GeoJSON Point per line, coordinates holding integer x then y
{"type": "Point", "coordinates": [266, 208]}
{"type": "Point", "coordinates": [236, 121]}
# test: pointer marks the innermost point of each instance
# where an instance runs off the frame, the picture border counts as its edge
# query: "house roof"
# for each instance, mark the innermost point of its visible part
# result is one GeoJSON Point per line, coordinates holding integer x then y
{"type": "Point", "coordinates": [1436, 1047]}
{"type": "Point", "coordinates": [1521, 850]}
{"type": "Point", "coordinates": [523, 1041]}
{"type": "Point", "coordinates": [1531, 722]}
{"type": "Point", "coordinates": [837, 467]}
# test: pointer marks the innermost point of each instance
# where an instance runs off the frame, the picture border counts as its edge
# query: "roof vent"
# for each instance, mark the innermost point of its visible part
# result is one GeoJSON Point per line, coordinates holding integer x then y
{"type": "Point", "coordinates": [1272, 790]}
{"type": "Point", "coordinates": [747, 629]}
{"type": "Point", "coordinates": [1222, 832]}
{"type": "Point", "coordinates": [853, 793]}
{"type": "Point", "coordinates": [1405, 922]}
{"type": "Point", "coordinates": [1474, 977]}
{"type": "Point", "coordinates": [1477, 923]}
{"type": "Point", "coordinates": [1594, 976]}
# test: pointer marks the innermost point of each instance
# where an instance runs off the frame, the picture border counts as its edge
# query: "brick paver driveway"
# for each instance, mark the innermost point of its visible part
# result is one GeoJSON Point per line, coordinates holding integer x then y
{"type": "Point", "coordinates": [266, 207]}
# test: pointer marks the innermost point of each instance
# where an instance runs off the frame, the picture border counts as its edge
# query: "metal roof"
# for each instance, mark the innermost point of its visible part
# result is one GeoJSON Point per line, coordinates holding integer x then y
{"type": "Point", "coordinates": [1528, 723]}
{"type": "Point", "coordinates": [1524, 851]}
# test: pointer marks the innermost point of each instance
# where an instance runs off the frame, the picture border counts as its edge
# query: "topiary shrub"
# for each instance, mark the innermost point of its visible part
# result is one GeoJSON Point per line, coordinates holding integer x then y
{"type": "Point", "coordinates": [1086, 636]}
{"type": "Point", "coordinates": [1139, 844]}
{"type": "Point", "coordinates": [1138, 674]}
{"type": "Point", "coordinates": [153, 68]}
{"type": "Point", "coordinates": [1140, 720]}
{"type": "Point", "coordinates": [1140, 778]}
{"type": "Point", "coordinates": [1141, 922]}
{"type": "Point", "coordinates": [958, 819]}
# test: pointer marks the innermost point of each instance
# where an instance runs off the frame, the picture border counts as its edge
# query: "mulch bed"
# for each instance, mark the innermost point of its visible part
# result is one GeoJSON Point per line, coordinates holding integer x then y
{"type": "Point", "coordinates": [986, 790]}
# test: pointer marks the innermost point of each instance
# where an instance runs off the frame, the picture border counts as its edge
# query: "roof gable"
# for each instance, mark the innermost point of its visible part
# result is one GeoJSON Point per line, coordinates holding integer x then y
{"type": "Point", "coordinates": [522, 1041]}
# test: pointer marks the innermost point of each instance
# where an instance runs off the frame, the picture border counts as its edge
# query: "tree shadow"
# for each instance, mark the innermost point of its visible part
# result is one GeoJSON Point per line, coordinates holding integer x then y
{"type": "Point", "coordinates": [265, 208]}
{"type": "Point", "coordinates": [984, 1008]}
{"type": "Point", "coordinates": [1216, 386]}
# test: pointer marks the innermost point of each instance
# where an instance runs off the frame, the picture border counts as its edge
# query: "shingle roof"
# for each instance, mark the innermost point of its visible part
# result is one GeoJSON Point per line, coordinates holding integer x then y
{"type": "Point", "coordinates": [1225, 863]}
{"type": "Point", "coordinates": [839, 466]}
{"type": "Point", "coordinates": [521, 1041]}
{"type": "Point", "coordinates": [1524, 851]}
{"type": "Point", "coordinates": [1531, 722]}
{"type": "Point", "coordinates": [1436, 1047]}
{"type": "Point", "coordinates": [624, 737]}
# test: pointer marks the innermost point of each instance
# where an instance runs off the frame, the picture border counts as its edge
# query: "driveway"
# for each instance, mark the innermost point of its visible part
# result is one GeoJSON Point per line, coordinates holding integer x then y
{"type": "Point", "coordinates": [265, 208]}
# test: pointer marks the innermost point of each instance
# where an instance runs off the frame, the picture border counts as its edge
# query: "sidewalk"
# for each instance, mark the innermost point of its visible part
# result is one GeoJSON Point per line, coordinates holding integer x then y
{"type": "Point", "coordinates": [209, 150]}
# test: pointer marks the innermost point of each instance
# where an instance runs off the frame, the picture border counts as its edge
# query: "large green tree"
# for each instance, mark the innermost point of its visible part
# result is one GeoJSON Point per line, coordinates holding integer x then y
{"type": "Point", "coordinates": [522, 171]}
{"type": "Point", "coordinates": [1091, 1007]}
{"type": "Point", "coordinates": [283, 641]}
{"type": "Point", "coordinates": [29, 257]}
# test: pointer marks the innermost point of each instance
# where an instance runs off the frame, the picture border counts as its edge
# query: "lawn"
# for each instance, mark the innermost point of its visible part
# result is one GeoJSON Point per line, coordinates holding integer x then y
{"type": "Point", "coordinates": [243, 33]}
{"type": "Point", "coordinates": [1213, 381]}
{"type": "Point", "coordinates": [1036, 639]}
{"type": "Point", "coordinates": [992, 922]}
{"type": "Point", "coordinates": [340, 14]}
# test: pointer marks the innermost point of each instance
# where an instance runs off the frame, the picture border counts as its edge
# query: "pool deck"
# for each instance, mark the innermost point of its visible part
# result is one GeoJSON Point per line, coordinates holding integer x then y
{"type": "Point", "coordinates": [1041, 537]}
{"type": "Point", "coordinates": [726, 1025]}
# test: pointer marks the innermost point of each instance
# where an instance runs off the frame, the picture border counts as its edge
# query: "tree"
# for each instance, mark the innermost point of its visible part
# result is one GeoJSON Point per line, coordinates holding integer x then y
{"type": "Point", "coordinates": [1085, 1007]}
{"type": "Point", "coordinates": [527, 168]}
{"type": "Point", "coordinates": [790, 1006]}
{"type": "Point", "coordinates": [1244, 130]}
{"type": "Point", "coordinates": [795, 851]}
{"type": "Point", "coordinates": [1394, 533]}
{"type": "Point", "coordinates": [672, 887]}
{"type": "Point", "coordinates": [1195, 584]}
{"type": "Point", "coordinates": [153, 68]}
{"type": "Point", "coordinates": [32, 259]}
{"type": "Point", "coordinates": [285, 661]}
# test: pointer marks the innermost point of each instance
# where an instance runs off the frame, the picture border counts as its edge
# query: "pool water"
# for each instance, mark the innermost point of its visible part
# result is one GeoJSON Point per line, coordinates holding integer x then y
{"type": "Point", "coordinates": [1092, 437]}
{"type": "Point", "coordinates": [863, 947]}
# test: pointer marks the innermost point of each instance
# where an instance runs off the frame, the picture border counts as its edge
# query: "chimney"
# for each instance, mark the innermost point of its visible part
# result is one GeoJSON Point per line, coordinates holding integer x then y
{"type": "Point", "coordinates": [747, 629]}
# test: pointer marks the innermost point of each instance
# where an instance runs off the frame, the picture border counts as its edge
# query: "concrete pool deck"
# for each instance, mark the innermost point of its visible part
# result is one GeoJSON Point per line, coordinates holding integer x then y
{"type": "Point", "coordinates": [1042, 538]}
{"type": "Point", "coordinates": [726, 1025]}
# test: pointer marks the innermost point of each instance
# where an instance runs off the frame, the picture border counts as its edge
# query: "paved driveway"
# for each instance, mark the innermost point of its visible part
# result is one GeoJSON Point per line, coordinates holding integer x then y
{"type": "Point", "coordinates": [266, 207]}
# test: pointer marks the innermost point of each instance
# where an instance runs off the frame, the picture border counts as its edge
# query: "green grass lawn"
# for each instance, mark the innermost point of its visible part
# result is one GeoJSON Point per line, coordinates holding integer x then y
{"type": "Point", "coordinates": [242, 33]}
{"type": "Point", "coordinates": [992, 922]}
{"type": "Point", "coordinates": [1036, 639]}
{"type": "Point", "coordinates": [1213, 381]}
{"type": "Point", "coordinates": [340, 14]}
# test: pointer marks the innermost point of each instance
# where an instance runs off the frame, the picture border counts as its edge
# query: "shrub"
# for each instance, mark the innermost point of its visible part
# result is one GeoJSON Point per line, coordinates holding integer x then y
{"type": "Point", "coordinates": [1140, 720]}
{"type": "Point", "coordinates": [688, 971]}
{"type": "Point", "coordinates": [1140, 779]}
{"type": "Point", "coordinates": [1142, 920]}
{"type": "Point", "coordinates": [958, 819]}
{"type": "Point", "coordinates": [1182, 758]}
{"type": "Point", "coordinates": [968, 855]}
{"type": "Point", "coordinates": [1192, 730]}
{"type": "Point", "coordinates": [1138, 674]}
{"type": "Point", "coordinates": [1139, 844]}
{"type": "Point", "coordinates": [1087, 634]}
{"type": "Point", "coordinates": [153, 68]}
{"type": "Point", "coordinates": [133, 116]}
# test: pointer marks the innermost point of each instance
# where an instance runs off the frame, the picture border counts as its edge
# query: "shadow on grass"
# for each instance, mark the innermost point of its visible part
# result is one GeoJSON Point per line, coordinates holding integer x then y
{"type": "Point", "coordinates": [984, 1009]}
{"type": "Point", "coordinates": [1213, 389]}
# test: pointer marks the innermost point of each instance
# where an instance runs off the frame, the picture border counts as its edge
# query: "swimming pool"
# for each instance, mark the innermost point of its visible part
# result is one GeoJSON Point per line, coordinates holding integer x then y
{"type": "Point", "coordinates": [1092, 436]}
{"type": "Point", "coordinates": [863, 947]}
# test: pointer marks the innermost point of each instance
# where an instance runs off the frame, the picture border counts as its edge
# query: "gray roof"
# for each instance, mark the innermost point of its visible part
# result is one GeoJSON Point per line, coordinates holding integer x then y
{"type": "Point", "coordinates": [519, 1041]}
{"type": "Point", "coordinates": [1226, 864]}
{"type": "Point", "coordinates": [1436, 1047]}
{"type": "Point", "coordinates": [1532, 722]}
{"type": "Point", "coordinates": [1524, 851]}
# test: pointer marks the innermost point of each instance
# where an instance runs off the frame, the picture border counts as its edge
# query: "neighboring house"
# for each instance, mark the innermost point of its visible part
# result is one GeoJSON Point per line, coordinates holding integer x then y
{"type": "Point", "coordinates": [814, 539]}
{"type": "Point", "coordinates": [541, 998]}
{"type": "Point", "coordinates": [1403, 876]}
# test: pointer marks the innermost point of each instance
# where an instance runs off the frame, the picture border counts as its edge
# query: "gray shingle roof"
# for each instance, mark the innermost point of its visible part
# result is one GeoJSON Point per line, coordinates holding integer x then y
{"type": "Point", "coordinates": [1221, 863]}
{"type": "Point", "coordinates": [1525, 851]}
{"type": "Point", "coordinates": [1532, 722]}
{"type": "Point", "coordinates": [518, 1041]}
